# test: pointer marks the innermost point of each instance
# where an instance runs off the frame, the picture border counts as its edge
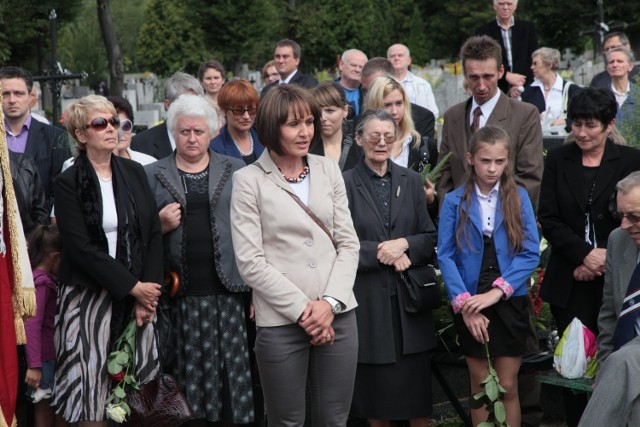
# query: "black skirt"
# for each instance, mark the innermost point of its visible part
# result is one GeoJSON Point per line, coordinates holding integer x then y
{"type": "Point", "coordinates": [394, 391]}
{"type": "Point", "coordinates": [508, 319]}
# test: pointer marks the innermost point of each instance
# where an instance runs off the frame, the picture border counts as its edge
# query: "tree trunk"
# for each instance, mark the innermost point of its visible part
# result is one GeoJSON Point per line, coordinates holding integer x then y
{"type": "Point", "coordinates": [114, 55]}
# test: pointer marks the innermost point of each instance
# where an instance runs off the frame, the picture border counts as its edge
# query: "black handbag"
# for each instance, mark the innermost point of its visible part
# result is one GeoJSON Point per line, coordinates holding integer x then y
{"type": "Point", "coordinates": [158, 403]}
{"type": "Point", "coordinates": [420, 290]}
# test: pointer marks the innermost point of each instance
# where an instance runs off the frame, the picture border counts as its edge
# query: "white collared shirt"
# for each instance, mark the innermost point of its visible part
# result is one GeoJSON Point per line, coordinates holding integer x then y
{"type": "Point", "coordinates": [288, 79]}
{"type": "Point", "coordinates": [488, 205]}
{"type": "Point", "coordinates": [553, 100]}
{"type": "Point", "coordinates": [419, 92]}
{"type": "Point", "coordinates": [486, 108]}
{"type": "Point", "coordinates": [621, 96]}
{"type": "Point", "coordinates": [403, 157]}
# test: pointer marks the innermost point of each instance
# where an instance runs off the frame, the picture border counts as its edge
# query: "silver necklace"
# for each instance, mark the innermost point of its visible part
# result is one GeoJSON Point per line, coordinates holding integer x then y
{"type": "Point", "coordinates": [245, 153]}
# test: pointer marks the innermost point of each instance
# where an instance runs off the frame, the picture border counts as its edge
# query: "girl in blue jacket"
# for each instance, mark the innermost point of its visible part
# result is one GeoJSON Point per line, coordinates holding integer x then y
{"type": "Point", "coordinates": [487, 249]}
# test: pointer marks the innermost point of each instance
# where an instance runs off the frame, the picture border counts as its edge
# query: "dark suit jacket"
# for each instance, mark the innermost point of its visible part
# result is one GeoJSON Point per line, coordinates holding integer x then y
{"type": "Point", "coordinates": [376, 282]}
{"type": "Point", "coordinates": [153, 141]}
{"type": "Point", "coordinates": [29, 191]}
{"type": "Point", "coordinates": [423, 120]}
{"type": "Point", "coordinates": [49, 147]}
{"type": "Point", "coordinates": [524, 41]}
{"type": "Point", "coordinates": [83, 261]}
{"type": "Point", "coordinates": [304, 80]}
{"type": "Point", "coordinates": [561, 213]}
{"type": "Point", "coordinates": [522, 123]}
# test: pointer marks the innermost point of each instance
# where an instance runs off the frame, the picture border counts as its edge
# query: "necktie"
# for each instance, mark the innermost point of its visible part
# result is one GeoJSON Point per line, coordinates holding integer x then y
{"type": "Point", "coordinates": [476, 119]}
{"type": "Point", "coordinates": [629, 313]}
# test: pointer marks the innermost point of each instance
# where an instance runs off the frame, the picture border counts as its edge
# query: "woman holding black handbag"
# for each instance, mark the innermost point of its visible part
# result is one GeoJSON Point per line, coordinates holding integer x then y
{"type": "Point", "coordinates": [388, 207]}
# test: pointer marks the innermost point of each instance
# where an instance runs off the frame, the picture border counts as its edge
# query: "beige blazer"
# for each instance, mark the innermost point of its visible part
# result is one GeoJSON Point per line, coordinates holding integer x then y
{"type": "Point", "coordinates": [282, 254]}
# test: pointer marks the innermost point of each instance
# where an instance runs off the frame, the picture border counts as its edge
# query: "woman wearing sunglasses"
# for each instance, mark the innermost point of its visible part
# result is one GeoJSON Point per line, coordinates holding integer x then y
{"type": "Point", "coordinates": [125, 112]}
{"type": "Point", "coordinates": [109, 266]}
{"type": "Point", "coordinates": [238, 100]}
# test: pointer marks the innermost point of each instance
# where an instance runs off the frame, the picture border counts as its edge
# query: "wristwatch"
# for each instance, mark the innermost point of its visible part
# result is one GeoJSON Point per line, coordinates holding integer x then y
{"type": "Point", "coordinates": [336, 306]}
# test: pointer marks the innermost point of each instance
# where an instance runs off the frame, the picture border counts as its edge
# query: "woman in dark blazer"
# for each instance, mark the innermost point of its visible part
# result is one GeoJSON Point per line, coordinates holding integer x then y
{"type": "Point", "coordinates": [387, 203]}
{"type": "Point", "coordinates": [109, 266]}
{"type": "Point", "coordinates": [575, 212]}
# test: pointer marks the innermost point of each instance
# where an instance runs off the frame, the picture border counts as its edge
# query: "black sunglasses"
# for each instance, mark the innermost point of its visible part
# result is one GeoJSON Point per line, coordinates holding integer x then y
{"type": "Point", "coordinates": [239, 111]}
{"type": "Point", "coordinates": [100, 123]}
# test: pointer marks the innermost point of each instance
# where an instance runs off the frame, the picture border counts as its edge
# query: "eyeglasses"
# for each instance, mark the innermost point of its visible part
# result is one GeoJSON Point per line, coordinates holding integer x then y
{"type": "Point", "coordinates": [374, 138]}
{"type": "Point", "coordinates": [631, 217]}
{"type": "Point", "coordinates": [239, 111]}
{"type": "Point", "coordinates": [126, 125]}
{"type": "Point", "coordinates": [100, 123]}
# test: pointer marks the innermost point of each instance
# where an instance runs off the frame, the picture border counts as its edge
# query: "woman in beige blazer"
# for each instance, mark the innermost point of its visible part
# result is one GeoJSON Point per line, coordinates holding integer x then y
{"type": "Point", "coordinates": [301, 269]}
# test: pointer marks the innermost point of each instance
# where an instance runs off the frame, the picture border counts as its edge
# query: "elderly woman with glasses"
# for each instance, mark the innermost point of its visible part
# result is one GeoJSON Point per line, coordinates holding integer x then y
{"type": "Point", "coordinates": [238, 100]}
{"type": "Point", "coordinates": [109, 267]}
{"type": "Point", "coordinates": [192, 188]}
{"type": "Point", "coordinates": [388, 207]}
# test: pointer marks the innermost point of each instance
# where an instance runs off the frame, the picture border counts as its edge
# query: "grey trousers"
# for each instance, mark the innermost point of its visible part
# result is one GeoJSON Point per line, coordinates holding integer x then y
{"type": "Point", "coordinates": [287, 361]}
{"type": "Point", "coordinates": [616, 398]}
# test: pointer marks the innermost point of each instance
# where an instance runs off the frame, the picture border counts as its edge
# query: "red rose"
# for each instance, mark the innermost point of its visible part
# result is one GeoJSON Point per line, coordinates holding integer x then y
{"type": "Point", "coordinates": [118, 377]}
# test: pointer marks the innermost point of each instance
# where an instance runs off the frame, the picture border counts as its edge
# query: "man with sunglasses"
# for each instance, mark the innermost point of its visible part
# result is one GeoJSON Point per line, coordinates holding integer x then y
{"type": "Point", "coordinates": [616, 397]}
{"type": "Point", "coordinates": [157, 141]}
{"type": "Point", "coordinates": [46, 144]}
{"type": "Point", "coordinates": [612, 41]}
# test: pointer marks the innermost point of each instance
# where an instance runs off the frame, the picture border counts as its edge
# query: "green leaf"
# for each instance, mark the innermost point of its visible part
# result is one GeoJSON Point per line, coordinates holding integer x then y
{"type": "Point", "coordinates": [502, 390]}
{"type": "Point", "coordinates": [500, 412]}
{"type": "Point", "coordinates": [486, 380]}
{"type": "Point", "coordinates": [492, 391]}
{"type": "Point", "coordinates": [114, 367]}
{"type": "Point", "coordinates": [126, 408]}
{"type": "Point", "coordinates": [119, 392]}
{"type": "Point", "coordinates": [122, 358]}
{"type": "Point", "coordinates": [492, 372]}
{"type": "Point", "coordinates": [486, 424]}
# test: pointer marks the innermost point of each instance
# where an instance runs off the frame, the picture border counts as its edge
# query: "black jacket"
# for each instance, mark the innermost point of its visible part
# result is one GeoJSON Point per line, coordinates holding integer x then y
{"type": "Point", "coordinates": [153, 141]}
{"type": "Point", "coordinates": [524, 41]}
{"type": "Point", "coordinates": [375, 282]}
{"type": "Point", "coordinates": [29, 191]}
{"type": "Point", "coordinates": [304, 80]}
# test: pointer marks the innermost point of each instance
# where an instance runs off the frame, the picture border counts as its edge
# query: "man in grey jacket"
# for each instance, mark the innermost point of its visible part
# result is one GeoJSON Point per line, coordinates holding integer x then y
{"type": "Point", "coordinates": [616, 397]}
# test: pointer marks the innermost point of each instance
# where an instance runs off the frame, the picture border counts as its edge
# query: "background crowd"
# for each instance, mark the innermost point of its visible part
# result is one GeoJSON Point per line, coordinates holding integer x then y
{"type": "Point", "coordinates": [262, 241]}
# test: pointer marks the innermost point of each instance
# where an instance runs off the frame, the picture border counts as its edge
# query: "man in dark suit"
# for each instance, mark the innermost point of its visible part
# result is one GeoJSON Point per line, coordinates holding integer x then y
{"type": "Point", "coordinates": [612, 41]}
{"type": "Point", "coordinates": [46, 144]}
{"type": "Point", "coordinates": [518, 40]}
{"type": "Point", "coordinates": [423, 119]}
{"type": "Point", "coordinates": [157, 141]}
{"type": "Point", "coordinates": [481, 58]}
{"type": "Point", "coordinates": [287, 58]}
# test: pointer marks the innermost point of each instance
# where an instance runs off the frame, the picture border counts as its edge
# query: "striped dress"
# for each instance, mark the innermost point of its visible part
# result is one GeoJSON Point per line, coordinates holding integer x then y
{"type": "Point", "coordinates": [82, 341]}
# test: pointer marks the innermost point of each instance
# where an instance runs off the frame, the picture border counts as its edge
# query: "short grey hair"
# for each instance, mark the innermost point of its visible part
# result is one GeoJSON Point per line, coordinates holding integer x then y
{"type": "Point", "coordinates": [399, 44]}
{"type": "Point", "coordinates": [550, 57]}
{"type": "Point", "coordinates": [347, 52]}
{"type": "Point", "coordinates": [192, 106]}
{"type": "Point", "coordinates": [515, 2]}
{"type": "Point", "coordinates": [179, 84]}
{"type": "Point", "coordinates": [624, 50]}
{"type": "Point", "coordinates": [369, 115]}
{"type": "Point", "coordinates": [627, 184]}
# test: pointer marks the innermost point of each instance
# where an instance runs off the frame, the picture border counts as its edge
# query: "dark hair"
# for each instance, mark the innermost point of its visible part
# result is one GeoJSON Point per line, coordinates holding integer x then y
{"type": "Point", "coordinates": [11, 72]}
{"type": "Point", "coordinates": [293, 45]}
{"type": "Point", "coordinates": [274, 109]}
{"type": "Point", "coordinates": [593, 103]}
{"type": "Point", "coordinates": [237, 93]}
{"type": "Point", "coordinates": [509, 196]}
{"type": "Point", "coordinates": [329, 94]}
{"type": "Point", "coordinates": [122, 106]}
{"type": "Point", "coordinates": [43, 240]}
{"type": "Point", "coordinates": [622, 36]}
{"type": "Point", "coordinates": [211, 63]}
{"type": "Point", "coordinates": [377, 64]}
{"type": "Point", "coordinates": [481, 48]}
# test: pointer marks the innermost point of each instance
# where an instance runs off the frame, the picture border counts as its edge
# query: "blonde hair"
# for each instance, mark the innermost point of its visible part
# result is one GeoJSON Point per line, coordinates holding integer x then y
{"type": "Point", "coordinates": [380, 88]}
{"type": "Point", "coordinates": [77, 114]}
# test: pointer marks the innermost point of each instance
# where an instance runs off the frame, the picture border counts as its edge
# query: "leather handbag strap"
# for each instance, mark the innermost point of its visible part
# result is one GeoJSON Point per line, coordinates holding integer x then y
{"type": "Point", "coordinates": [314, 218]}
